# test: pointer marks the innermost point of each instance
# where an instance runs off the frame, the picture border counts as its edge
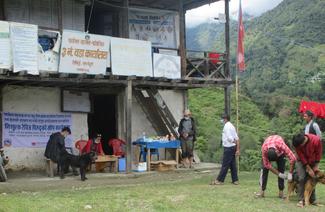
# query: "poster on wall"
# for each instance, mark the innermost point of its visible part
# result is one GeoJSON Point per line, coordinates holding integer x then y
{"type": "Point", "coordinates": [48, 50]}
{"type": "Point", "coordinates": [5, 47]}
{"type": "Point", "coordinates": [84, 53]}
{"type": "Point", "coordinates": [131, 57]}
{"type": "Point", "coordinates": [157, 26]}
{"type": "Point", "coordinates": [31, 130]}
{"type": "Point", "coordinates": [167, 66]}
{"type": "Point", "coordinates": [24, 42]}
{"type": "Point", "coordinates": [76, 101]}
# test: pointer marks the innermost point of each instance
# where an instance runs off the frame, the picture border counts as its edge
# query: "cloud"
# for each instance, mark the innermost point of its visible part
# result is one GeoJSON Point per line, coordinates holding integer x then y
{"type": "Point", "coordinates": [207, 13]}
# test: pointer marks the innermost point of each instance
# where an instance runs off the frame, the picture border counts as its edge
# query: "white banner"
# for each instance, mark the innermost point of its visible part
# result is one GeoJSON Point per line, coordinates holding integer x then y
{"type": "Point", "coordinates": [84, 53]}
{"type": "Point", "coordinates": [24, 42]}
{"type": "Point", "coordinates": [157, 26]}
{"type": "Point", "coordinates": [131, 57]}
{"type": "Point", "coordinates": [31, 130]}
{"type": "Point", "coordinates": [5, 47]}
{"type": "Point", "coordinates": [167, 66]}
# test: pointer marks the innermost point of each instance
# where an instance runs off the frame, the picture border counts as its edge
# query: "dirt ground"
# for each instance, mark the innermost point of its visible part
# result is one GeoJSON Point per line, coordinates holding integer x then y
{"type": "Point", "coordinates": [38, 181]}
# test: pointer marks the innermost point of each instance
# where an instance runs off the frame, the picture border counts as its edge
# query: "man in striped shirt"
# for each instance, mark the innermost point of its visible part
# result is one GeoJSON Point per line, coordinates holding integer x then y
{"type": "Point", "coordinates": [275, 149]}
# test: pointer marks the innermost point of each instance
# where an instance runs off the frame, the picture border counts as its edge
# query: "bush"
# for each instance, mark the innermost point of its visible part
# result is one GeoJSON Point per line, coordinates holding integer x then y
{"type": "Point", "coordinates": [250, 160]}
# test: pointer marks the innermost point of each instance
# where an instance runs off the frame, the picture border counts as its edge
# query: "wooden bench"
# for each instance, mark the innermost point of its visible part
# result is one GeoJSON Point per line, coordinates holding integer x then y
{"type": "Point", "coordinates": [104, 161]}
{"type": "Point", "coordinates": [49, 167]}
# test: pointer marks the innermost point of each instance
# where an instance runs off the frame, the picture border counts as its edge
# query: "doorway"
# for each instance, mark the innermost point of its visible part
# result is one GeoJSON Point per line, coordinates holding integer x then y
{"type": "Point", "coordinates": [103, 119]}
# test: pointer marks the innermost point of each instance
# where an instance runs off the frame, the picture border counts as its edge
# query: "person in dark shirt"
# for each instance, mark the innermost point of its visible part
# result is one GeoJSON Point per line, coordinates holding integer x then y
{"type": "Point", "coordinates": [187, 134]}
{"type": "Point", "coordinates": [56, 144]}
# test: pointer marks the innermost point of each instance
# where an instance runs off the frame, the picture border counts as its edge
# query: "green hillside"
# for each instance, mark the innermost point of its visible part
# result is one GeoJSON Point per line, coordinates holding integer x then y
{"type": "Point", "coordinates": [207, 106]}
{"type": "Point", "coordinates": [285, 56]}
{"type": "Point", "coordinates": [285, 53]}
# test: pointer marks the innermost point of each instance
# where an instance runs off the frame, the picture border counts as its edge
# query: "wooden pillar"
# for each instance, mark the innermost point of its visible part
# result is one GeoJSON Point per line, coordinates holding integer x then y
{"type": "Point", "coordinates": [2, 10]}
{"type": "Point", "coordinates": [227, 40]}
{"type": "Point", "coordinates": [227, 69]}
{"type": "Point", "coordinates": [1, 109]}
{"type": "Point", "coordinates": [128, 120]}
{"type": "Point", "coordinates": [60, 15]}
{"type": "Point", "coordinates": [125, 19]}
{"type": "Point", "coordinates": [182, 32]}
{"type": "Point", "coordinates": [185, 98]}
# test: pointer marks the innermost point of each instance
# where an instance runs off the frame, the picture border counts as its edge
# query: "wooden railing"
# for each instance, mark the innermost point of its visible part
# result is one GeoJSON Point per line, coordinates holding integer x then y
{"type": "Point", "coordinates": [200, 64]}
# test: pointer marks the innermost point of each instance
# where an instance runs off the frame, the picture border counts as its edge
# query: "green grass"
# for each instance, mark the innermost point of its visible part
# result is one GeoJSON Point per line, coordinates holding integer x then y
{"type": "Point", "coordinates": [176, 195]}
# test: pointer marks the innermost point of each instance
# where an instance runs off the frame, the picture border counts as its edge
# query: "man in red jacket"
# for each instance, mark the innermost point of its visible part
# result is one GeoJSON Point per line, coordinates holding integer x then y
{"type": "Point", "coordinates": [116, 144]}
{"type": "Point", "coordinates": [309, 149]}
{"type": "Point", "coordinates": [94, 145]}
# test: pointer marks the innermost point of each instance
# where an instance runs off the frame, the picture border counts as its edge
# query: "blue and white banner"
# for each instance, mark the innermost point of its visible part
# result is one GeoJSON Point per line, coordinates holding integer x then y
{"type": "Point", "coordinates": [31, 130]}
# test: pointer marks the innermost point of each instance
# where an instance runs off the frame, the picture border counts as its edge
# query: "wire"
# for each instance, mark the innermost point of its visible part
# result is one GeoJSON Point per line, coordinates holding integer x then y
{"type": "Point", "coordinates": [90, 15]}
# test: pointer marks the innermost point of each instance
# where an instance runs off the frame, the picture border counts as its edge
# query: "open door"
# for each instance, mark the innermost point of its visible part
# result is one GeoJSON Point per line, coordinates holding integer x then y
{"type": "Point", "coordinates": [103, 119]}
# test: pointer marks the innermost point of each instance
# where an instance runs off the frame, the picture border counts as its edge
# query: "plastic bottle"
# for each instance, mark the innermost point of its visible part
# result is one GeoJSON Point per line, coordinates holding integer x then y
{"type": "Point", "coordinates": [144, 136]}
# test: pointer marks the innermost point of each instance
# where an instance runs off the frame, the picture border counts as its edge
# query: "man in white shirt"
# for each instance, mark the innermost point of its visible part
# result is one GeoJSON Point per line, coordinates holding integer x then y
{"type": "Point", "coordinates": [230, 142]}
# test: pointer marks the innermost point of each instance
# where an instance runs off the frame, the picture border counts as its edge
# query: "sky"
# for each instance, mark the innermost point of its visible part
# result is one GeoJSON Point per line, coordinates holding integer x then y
{"type": "Point", "coordinates": [208, 12]}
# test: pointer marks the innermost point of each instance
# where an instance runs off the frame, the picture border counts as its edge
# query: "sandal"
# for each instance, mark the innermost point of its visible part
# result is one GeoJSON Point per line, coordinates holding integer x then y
{"type": "Point", "coordinates": [258, 195]}
{"type": "Point", "coordinates": [317, 204]}
{"type": "Point", "coordinates": [300, 204]}
{"type": "Point", "coordinates": [216, 182]}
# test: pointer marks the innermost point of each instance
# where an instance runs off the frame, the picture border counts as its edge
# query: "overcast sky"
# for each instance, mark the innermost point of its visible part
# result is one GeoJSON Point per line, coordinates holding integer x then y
{"type": "Point", "coordinates": [208, 12]}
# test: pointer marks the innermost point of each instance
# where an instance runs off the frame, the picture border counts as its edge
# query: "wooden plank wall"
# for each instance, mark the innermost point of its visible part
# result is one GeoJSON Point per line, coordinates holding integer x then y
{"type": "Point", "coordinates": [45, 13]}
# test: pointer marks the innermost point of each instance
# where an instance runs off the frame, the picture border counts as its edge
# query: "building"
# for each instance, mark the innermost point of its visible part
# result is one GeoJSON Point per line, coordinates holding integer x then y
{"type": "Point", "coordinates": [118, 105]}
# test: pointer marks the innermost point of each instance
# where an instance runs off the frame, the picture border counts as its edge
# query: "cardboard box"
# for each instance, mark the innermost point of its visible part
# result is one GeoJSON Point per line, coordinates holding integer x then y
{"type": "Point", "coordinates": [139, 167]}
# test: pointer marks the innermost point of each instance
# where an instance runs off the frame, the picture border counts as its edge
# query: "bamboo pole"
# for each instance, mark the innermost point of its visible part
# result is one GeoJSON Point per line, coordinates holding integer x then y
{"type": "Point", "coordinates": [237, 115]}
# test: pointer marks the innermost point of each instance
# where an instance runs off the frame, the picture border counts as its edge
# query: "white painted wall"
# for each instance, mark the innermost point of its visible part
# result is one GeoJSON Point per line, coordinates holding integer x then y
{"type": "Point", "coordinates": [33, 100]}
{"type": "Point", "coordinates": [175, 102]}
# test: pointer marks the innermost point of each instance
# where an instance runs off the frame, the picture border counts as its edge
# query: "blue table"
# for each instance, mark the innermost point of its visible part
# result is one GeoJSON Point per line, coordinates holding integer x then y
{"type": "Point", "coordinates": [157, 144]}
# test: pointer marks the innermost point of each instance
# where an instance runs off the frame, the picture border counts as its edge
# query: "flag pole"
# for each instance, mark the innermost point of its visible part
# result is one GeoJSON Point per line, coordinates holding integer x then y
{"type": "Point", "coordinates": [237, 114]}
{"type": "Point", "coordinates": [240, 66]}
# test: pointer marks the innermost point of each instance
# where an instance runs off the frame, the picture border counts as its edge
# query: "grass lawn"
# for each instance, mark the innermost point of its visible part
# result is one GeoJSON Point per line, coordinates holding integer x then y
{"type": "Point", "coordinates": [193, 194]}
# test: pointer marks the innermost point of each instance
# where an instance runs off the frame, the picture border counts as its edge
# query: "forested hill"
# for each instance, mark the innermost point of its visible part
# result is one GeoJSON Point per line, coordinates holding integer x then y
{"type": "Point", "coordinates": [285, 51]}
{"type": "Point", "coordinates": [285, 57]}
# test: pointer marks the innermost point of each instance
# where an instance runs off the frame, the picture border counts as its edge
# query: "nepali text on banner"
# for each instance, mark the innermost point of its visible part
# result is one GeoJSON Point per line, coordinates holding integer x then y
{"type": "Point", "coordinates": [31, 130]}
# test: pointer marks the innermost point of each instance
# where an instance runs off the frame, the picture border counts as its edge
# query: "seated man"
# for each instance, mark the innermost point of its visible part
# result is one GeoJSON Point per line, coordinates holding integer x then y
{"type": "Point", "coordinates": [56, 145]}
{"type": "Point", "coordinates": [94, 145]}
{"type": "Point", "coordinates": [309, 149]}
{"type": "Point", "coordinates": [275, 149]}
{"type": "Point", "coordinates": [116, 144]}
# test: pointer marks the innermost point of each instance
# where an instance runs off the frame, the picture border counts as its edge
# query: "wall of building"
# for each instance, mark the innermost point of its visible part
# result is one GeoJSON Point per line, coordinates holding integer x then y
{"type": "Point", "coordinates": [48, 100]}
{"type": "Point", "coordinates": [45, 13]}
{"type": "Point", "coordinates": [37, 100]}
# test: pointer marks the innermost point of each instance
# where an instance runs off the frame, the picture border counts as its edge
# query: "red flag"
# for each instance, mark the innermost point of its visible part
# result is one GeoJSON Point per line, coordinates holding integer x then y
{"type": "Point", "coordinates": [240, 44]}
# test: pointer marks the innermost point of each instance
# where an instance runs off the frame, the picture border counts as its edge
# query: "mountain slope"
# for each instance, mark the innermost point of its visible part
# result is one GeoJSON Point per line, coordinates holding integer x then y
{"type": "Point", "coordinates": [285, 54]}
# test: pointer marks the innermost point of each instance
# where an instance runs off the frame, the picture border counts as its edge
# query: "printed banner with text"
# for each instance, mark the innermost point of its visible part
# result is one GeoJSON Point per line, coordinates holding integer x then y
{"type": "Point", "coordinates": [31, 130]}
{"type": "Point", "coordinates": [155, 26]}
